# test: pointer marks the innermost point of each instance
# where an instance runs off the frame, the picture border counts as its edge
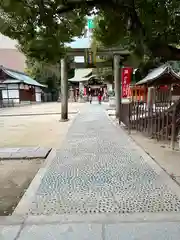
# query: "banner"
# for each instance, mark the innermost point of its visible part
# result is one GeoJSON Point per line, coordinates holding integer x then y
{"type": "Point", "coordinates": [126, 80]}
{"type": "Point", "coordinates": [85, 92]}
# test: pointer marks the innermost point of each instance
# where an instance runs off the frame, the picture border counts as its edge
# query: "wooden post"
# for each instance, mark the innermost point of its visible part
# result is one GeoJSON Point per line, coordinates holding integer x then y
{"type": "Point", "coordinates": [150, 105]}
{"type": "Point", "coordinates": [173, 128]}
{"type": "Point", "coordinates": [64, 90]}
{"type": "Point", "coordinates": [117, 81]}
{"type": "Point", "coordinates": [129, 116]}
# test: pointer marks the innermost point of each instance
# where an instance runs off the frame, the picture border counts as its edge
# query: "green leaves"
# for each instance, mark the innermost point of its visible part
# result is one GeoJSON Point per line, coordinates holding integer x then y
{"type": "Point", "coordinates": [40, 30]}
{"type": "Point", "coordinates": [140, 25]}
{"type": "Point", "coordinates": [43, 27]}
{"type": "Point", "coordinates": [109, 28]}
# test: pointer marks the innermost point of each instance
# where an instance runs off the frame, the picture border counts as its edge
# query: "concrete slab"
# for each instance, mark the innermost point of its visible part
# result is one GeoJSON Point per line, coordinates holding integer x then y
{"type": "Point", "coordinates": [12, 220]}
{"type": "Point", "coordinates": [63, 232]}
{"type": "Point", "coordinates": [9, 232]}
{"type": "Point", "coordinates": [102, 218]}
{"type": "Point", "coordinates": [28, 149]}
{"type": "Point", "coordinates": [141, 231]}
{"type": "Point", "coordinates": [40, 153]}
{"type": "Point", "coordinates": [5, 155]}
{"type": "Point", "coordinates": [23, 153]}
{"type": "Point", "coordinates": [9, 150]}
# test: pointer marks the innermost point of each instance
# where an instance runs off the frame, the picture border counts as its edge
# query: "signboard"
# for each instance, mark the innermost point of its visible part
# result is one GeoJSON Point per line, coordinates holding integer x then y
{"type": "Point", "coordinates": [90, 58]}
{"type": "Point", "coordinates": [126, 80]}
{"type": "Point", "coordinates": [90, 23]}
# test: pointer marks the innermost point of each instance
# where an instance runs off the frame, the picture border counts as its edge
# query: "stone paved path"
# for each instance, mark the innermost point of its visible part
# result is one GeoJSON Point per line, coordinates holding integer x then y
{"type": "Point", "coordinates": [100, 186]}
{"type": "Point", "coordinates": [100, 170]}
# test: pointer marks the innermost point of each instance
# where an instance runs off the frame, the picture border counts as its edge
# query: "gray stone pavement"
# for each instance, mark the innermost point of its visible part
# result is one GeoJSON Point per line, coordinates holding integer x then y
{"type": "Point", "coordinates": [95, 231]}
{"type": "Point", "coordinates": [104, 187]}
{"type": "Point", "coordinates": [100, 170]}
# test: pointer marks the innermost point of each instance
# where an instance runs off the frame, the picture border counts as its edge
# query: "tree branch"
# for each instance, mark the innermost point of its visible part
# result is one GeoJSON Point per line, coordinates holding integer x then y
{"type": "Point", "coordinates": [157, 48]}
{"type": "Point", "coordinates": [164, 51]}
{"type": "Point", "coordinates": [70, 6]}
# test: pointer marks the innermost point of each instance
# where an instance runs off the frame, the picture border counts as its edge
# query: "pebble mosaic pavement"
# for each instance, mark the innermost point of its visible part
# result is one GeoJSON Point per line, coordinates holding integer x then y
{"type": "Point", "coordinates": [97, 170]}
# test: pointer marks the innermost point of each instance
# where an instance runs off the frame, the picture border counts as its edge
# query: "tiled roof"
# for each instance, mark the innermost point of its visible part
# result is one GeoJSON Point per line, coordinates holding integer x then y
{"type": "Point", "coordinates": [81, 75]}
{"type": "Point", "coordinates": [21, 77]}
{"type": "Point", "coordinates": [157, 72]}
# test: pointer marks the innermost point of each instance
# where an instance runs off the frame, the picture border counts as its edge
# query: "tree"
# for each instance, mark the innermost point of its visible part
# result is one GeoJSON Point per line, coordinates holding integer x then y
{"type": "Point", "coordinates": [43, 74]}
{"type": "Point", "coordinates": [175, 65]}
{"type": "Point", "coordinates": [151, 27]}
{"type": "Point", "coordinates": [40, 30]}
{"type": "Point", "coordinates": [47, 74]}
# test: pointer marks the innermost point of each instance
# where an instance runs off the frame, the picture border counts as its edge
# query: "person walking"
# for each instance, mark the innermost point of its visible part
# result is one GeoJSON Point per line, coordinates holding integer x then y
{"type": "Point", "coordinates": [90, 98]}
{"type": "Point", "coordinates": [99, 98]}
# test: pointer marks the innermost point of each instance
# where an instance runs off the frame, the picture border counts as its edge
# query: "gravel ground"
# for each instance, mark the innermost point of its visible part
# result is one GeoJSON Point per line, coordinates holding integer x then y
{"type": "Point", "coordinates": [35, 130]}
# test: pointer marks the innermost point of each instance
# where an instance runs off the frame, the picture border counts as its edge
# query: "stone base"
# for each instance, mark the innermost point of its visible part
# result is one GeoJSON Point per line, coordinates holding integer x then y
{"type": "Point", "coordinates": [112, 102]}
{"type": "Point", "coordinates": [112, 106]}
{"type": "Point", "coordinates": [81, 100]}
{"type": "Point", "coordinates": [63, 120]}
{"type": "Point", "coordinates": [71, 100]}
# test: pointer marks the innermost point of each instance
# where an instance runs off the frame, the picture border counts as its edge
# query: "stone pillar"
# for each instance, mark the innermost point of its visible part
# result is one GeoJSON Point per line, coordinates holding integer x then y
{"type": "Point", "coordinates": [81, 86]}
{"type": "Point", "coordinates": [150, 97]}
{"type": "Point", "coordinates": [81, 91]}
{"type": "Point", "coordinates": [71, 94]}
{"type": "Point", "coordinates": [117, 81]}
{"type": "Point", "coordinates": [64, 90]}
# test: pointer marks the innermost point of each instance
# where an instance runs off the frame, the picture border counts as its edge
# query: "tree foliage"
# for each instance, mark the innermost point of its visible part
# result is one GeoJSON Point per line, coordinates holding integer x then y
{"type": "Point", "coordinates": [43, 74]}
{"type": "Point", "coordinates": [46, 73]}
{"type": "Point", "coordinates": [151, 27]}
{"type": "Point", "coordinates": [40, 30]}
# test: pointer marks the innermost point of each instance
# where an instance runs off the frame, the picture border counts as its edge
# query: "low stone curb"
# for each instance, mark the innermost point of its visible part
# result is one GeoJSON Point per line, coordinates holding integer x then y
{"type": "Point", "coordinates": [94, 218]}
{"type": "Point", "coordinates": [27, 199]}
{"type": "Point", "coordinates": [34, 114]}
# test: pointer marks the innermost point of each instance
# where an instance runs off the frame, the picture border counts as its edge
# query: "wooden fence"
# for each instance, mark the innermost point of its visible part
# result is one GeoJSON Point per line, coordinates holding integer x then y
{"type": "Point", "coordinates": [160, 120]}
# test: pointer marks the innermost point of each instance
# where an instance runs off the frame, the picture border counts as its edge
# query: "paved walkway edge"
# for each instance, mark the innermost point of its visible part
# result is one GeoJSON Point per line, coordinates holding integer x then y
{"type": "Point", "coordinates": [95, 218]}
{"type": "Point", "coordinates": [153, 164]}
{"type": "Point", "coordinates": [103, 218]}
{"type": "Point", "coordinates": [27, 198]}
